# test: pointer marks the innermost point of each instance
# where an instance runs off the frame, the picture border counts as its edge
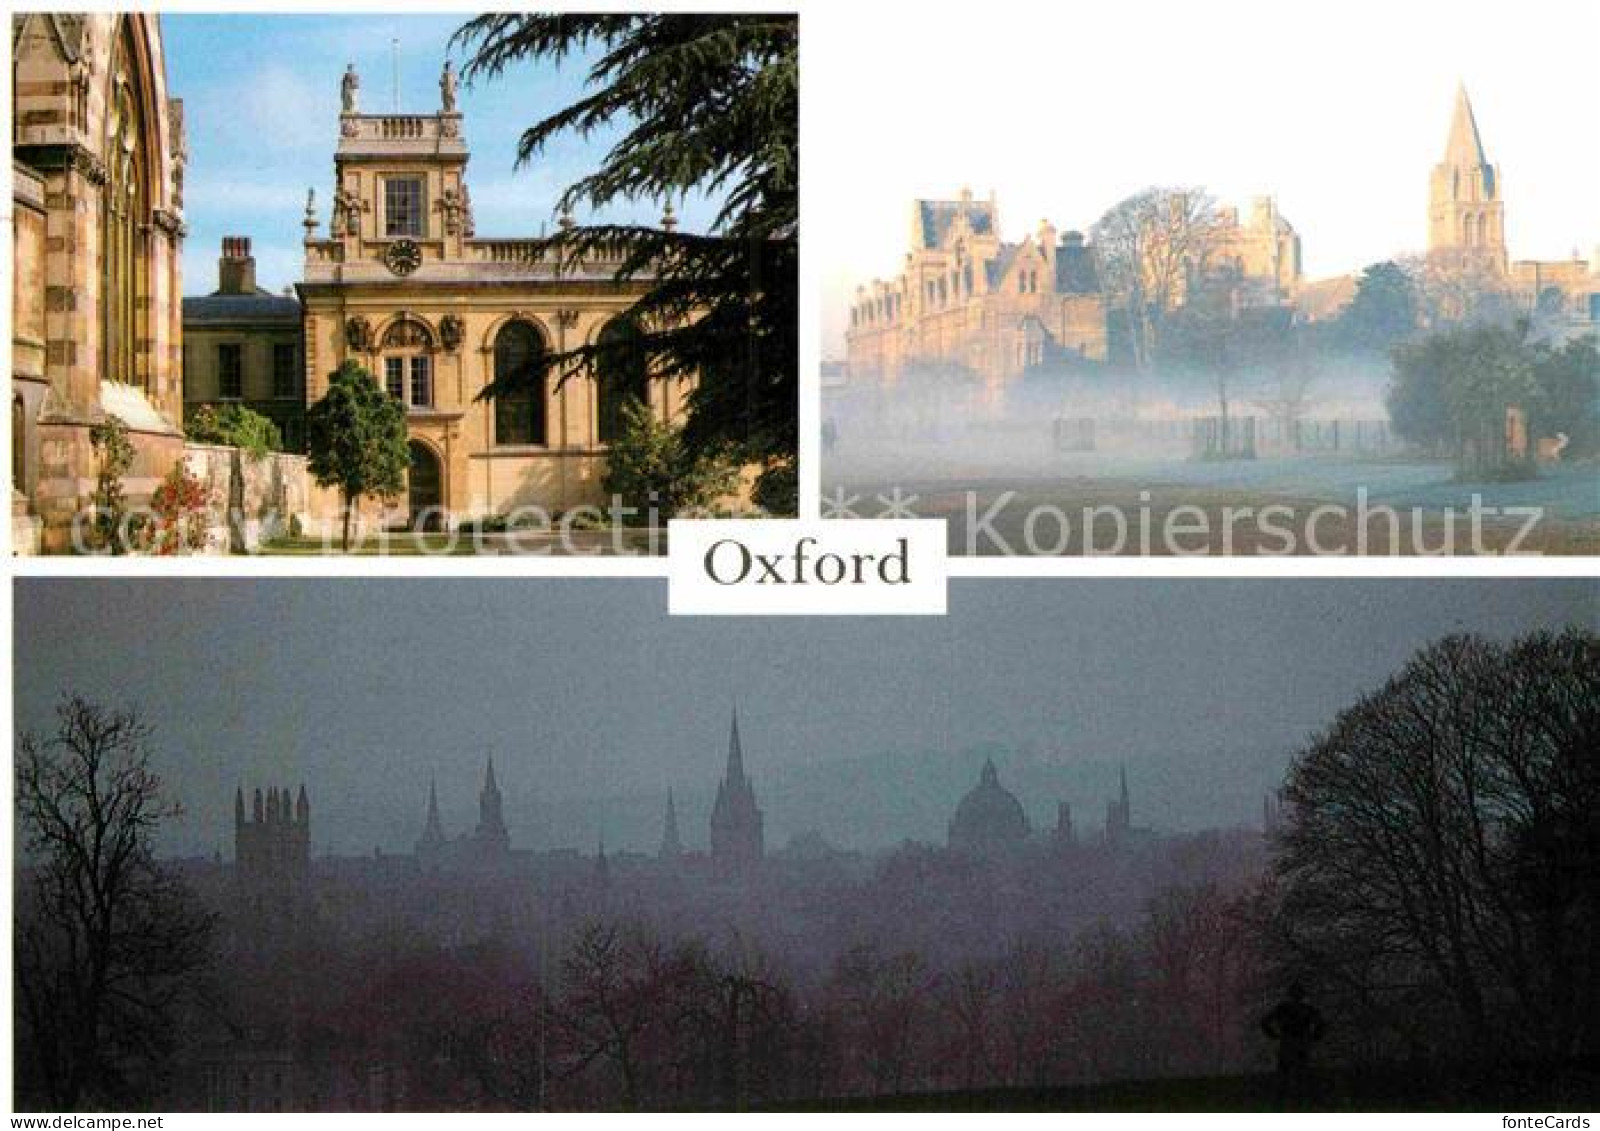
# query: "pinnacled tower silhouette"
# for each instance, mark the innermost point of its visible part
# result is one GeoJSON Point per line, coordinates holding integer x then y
{"type": "Point", "coordinates": [491, 834]}
{"type": "Point", "coordinates": [736, 838]}
{"type": "Point", "coordinates": [671, 845]}
{"type": "Point", "coordinates": [272, 862]}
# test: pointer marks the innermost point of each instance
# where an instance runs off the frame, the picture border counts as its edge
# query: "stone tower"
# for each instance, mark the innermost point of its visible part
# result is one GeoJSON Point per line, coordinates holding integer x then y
{"type": "Point", "coordinates": [735, 818]}
{"type": "Point", "coordinates": [1466, 213]}
{"type": "Point", "coordinates": [272, 860]}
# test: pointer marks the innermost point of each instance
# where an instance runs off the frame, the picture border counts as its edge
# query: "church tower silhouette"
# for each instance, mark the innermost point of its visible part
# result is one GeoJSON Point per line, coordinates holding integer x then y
{"type": "Point", "coordinates": [736, 838]}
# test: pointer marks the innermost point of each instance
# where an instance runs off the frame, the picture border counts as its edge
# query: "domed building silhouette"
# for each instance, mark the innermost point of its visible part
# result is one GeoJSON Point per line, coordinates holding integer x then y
{"type": "Point", "coordinates": [990, 818]}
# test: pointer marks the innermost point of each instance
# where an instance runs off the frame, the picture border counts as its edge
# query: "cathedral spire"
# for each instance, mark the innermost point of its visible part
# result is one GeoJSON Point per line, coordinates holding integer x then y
{"type": "Point", "coordinates": [1125, 789]}
{"type": "Point", "coordinates": [1464, 147]}
{"type": "Point", "coordinates": [735, 751]}
{"type": "Point", "coordinates": [491, 817]}
{"type": "Point", "coordinates": [671, 845]}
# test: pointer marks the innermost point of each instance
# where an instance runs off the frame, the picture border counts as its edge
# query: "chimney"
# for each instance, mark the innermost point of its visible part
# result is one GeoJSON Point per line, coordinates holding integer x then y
{"type": "Point", "coordinates": [236, 270]}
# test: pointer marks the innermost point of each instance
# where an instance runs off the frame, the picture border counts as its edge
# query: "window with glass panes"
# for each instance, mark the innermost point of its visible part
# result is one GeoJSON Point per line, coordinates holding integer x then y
{"type": "Point", "coordinates": [285, 363]}
{"type": "Point", "coordinates": [230, 371]}
{"type": "Point", "coordinates": [421, 380]}
{"type": "Point", "coordinates": [402, 206]}
{"type": "Point", "coordinates": [409, 380]}
{"type": "Point", "coordinates": [394, 377]}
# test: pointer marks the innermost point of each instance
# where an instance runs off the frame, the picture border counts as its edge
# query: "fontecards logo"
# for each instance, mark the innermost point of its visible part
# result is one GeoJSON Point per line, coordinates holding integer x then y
{"type": "Point", "coordinates": [722, 567]}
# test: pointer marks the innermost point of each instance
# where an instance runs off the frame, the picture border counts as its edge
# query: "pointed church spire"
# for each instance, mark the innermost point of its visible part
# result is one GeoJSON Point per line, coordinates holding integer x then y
{"type": "Point", "coordinates": [238, 806]}
{"type": "Point", "coordinates": [432, 825]}
{"type": "Point", "coordinates": [1464, 147]}
{"type": "Point", "coordinates": [671, 845]}
{"type": "Point", "coordinates": [489, 785]}
{"type": "Point", "coordinates": [735, 751]}
{"type": "Point", "coordinates": [1124, 789]}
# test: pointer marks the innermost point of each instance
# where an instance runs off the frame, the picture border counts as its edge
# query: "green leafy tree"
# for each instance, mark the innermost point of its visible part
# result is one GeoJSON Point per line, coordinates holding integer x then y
{"type": "Point", "coordinates": [356, 436]}
{"type": "Point", "coordinates": [1382, 313]}
{"type": "Point", "coordinates": [707, 104]}
{"type": "Point", "coordinates": [649, 467]}
{"type": "Point", "coordinates": [235, 426]}
{"type": "Point", "coordinates": [1569, 386]}
{"type": "Point", "coordinates": [1452, 390]}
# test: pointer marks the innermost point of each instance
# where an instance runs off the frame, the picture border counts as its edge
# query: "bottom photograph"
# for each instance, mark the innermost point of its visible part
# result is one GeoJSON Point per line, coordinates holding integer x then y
{"type": "Point", "coordinates": [520, 845]}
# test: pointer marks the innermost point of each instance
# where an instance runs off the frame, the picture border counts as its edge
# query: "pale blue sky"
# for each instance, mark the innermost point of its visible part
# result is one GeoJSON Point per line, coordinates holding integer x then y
{"type": "Point", "coordinates": [261, 104]}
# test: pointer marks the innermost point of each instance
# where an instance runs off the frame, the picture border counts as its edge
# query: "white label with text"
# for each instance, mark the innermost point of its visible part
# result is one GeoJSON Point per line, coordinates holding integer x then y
{"type": "Point", "coordinates": [756, 567]}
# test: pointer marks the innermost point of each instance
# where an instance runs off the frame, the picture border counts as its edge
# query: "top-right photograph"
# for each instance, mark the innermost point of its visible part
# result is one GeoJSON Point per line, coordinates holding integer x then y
{"type": "Point", "coordinates": [1219, 285]}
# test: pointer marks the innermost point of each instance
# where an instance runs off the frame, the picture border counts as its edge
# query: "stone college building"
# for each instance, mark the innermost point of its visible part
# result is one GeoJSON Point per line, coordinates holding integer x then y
{"type": "Point", "coordinates": [402, 283]}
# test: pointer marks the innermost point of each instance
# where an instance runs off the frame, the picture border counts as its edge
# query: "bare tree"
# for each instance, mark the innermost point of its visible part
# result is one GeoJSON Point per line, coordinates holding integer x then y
{"type": "Point", "coordinates": [107, 941]}
{"type": "Point", "coordinates": [1437, 871]}
{"type": "Point", "coordinates": [615, 990]}
{"type": "Point", "coordinates": [1150, 248]}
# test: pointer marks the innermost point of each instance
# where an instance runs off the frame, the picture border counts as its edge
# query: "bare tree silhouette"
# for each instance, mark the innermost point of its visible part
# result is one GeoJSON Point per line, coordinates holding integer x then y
{"type": "Point", "coordinates": [107, 941]}
{"type": "Point", "coordinates": [1438, 868]}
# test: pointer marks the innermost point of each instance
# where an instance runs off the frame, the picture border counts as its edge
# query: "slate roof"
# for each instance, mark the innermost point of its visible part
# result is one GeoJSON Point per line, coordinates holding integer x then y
{"type": "Point", "coordinates": [263, 306]}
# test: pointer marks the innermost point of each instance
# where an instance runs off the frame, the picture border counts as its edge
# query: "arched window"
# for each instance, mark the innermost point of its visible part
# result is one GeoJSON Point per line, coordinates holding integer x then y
{"type": "Point", "coordinates": [408, 363]}
{"type": "Point", "coordinates": [520, 368]}
{"type": "Point", "coordinates": [19, 444]}
{"type": "Point", "coordinates": [622, 370]}
{"type": "Point", "coordinates": [126, 215]}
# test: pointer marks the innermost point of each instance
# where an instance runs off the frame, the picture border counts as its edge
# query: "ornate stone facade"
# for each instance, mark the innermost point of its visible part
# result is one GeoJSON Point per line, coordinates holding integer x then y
{"type": "Point", "coordinates": [402, 285]}
{"type": "Point", "coordinates": [968, 299]}
{"type": "Point", "coordinates": [98, 151]}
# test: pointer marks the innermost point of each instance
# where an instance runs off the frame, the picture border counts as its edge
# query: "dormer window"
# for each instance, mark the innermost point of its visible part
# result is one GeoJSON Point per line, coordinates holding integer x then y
{"type": "Point", "coordinates": [402, 206]}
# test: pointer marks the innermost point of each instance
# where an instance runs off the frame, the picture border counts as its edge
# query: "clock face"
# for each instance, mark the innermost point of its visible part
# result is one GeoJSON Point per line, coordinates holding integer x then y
{"type": "Point", "coordinates": [402, 257]}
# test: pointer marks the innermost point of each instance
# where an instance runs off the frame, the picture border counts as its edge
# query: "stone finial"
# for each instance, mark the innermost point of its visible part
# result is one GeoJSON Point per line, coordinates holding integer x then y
{"type": "Point", "coordinates": [310, 221]}
{"type": "Point", "coordinates": [669, 219]}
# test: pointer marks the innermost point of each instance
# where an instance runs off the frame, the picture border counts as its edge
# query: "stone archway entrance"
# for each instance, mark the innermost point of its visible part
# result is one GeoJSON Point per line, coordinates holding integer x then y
{"type": "Point", "coordinates": [425, 488]}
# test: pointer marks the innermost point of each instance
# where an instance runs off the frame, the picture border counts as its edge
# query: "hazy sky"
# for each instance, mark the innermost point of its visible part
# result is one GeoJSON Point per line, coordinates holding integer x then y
{"type": "Point", "coordinates": [1338, 109]}
{"type": "Point", "coordinates": [261, 105]}
{"type": "Point", "coordinates": [595, 702]}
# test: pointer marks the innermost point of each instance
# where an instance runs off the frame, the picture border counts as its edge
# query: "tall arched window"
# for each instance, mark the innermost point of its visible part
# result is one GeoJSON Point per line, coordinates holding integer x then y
{"type": "Point", "coordinates": [519, 368]}
{"type": "Point", "coordinates": [623, 374]}
{"type": "Point", "coordinates": [126, 214]}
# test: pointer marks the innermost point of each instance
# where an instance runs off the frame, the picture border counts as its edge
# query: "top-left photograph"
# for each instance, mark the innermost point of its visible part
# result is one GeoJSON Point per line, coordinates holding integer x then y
{"type": "Point", "coordinates": [414, 285]}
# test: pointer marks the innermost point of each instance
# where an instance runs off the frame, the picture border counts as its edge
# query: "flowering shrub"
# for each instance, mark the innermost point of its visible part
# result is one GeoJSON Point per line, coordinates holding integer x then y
{"type": "Point", "coordinates": [180, 506]}
{"type": "Point", "coordinates": [113, 524]}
